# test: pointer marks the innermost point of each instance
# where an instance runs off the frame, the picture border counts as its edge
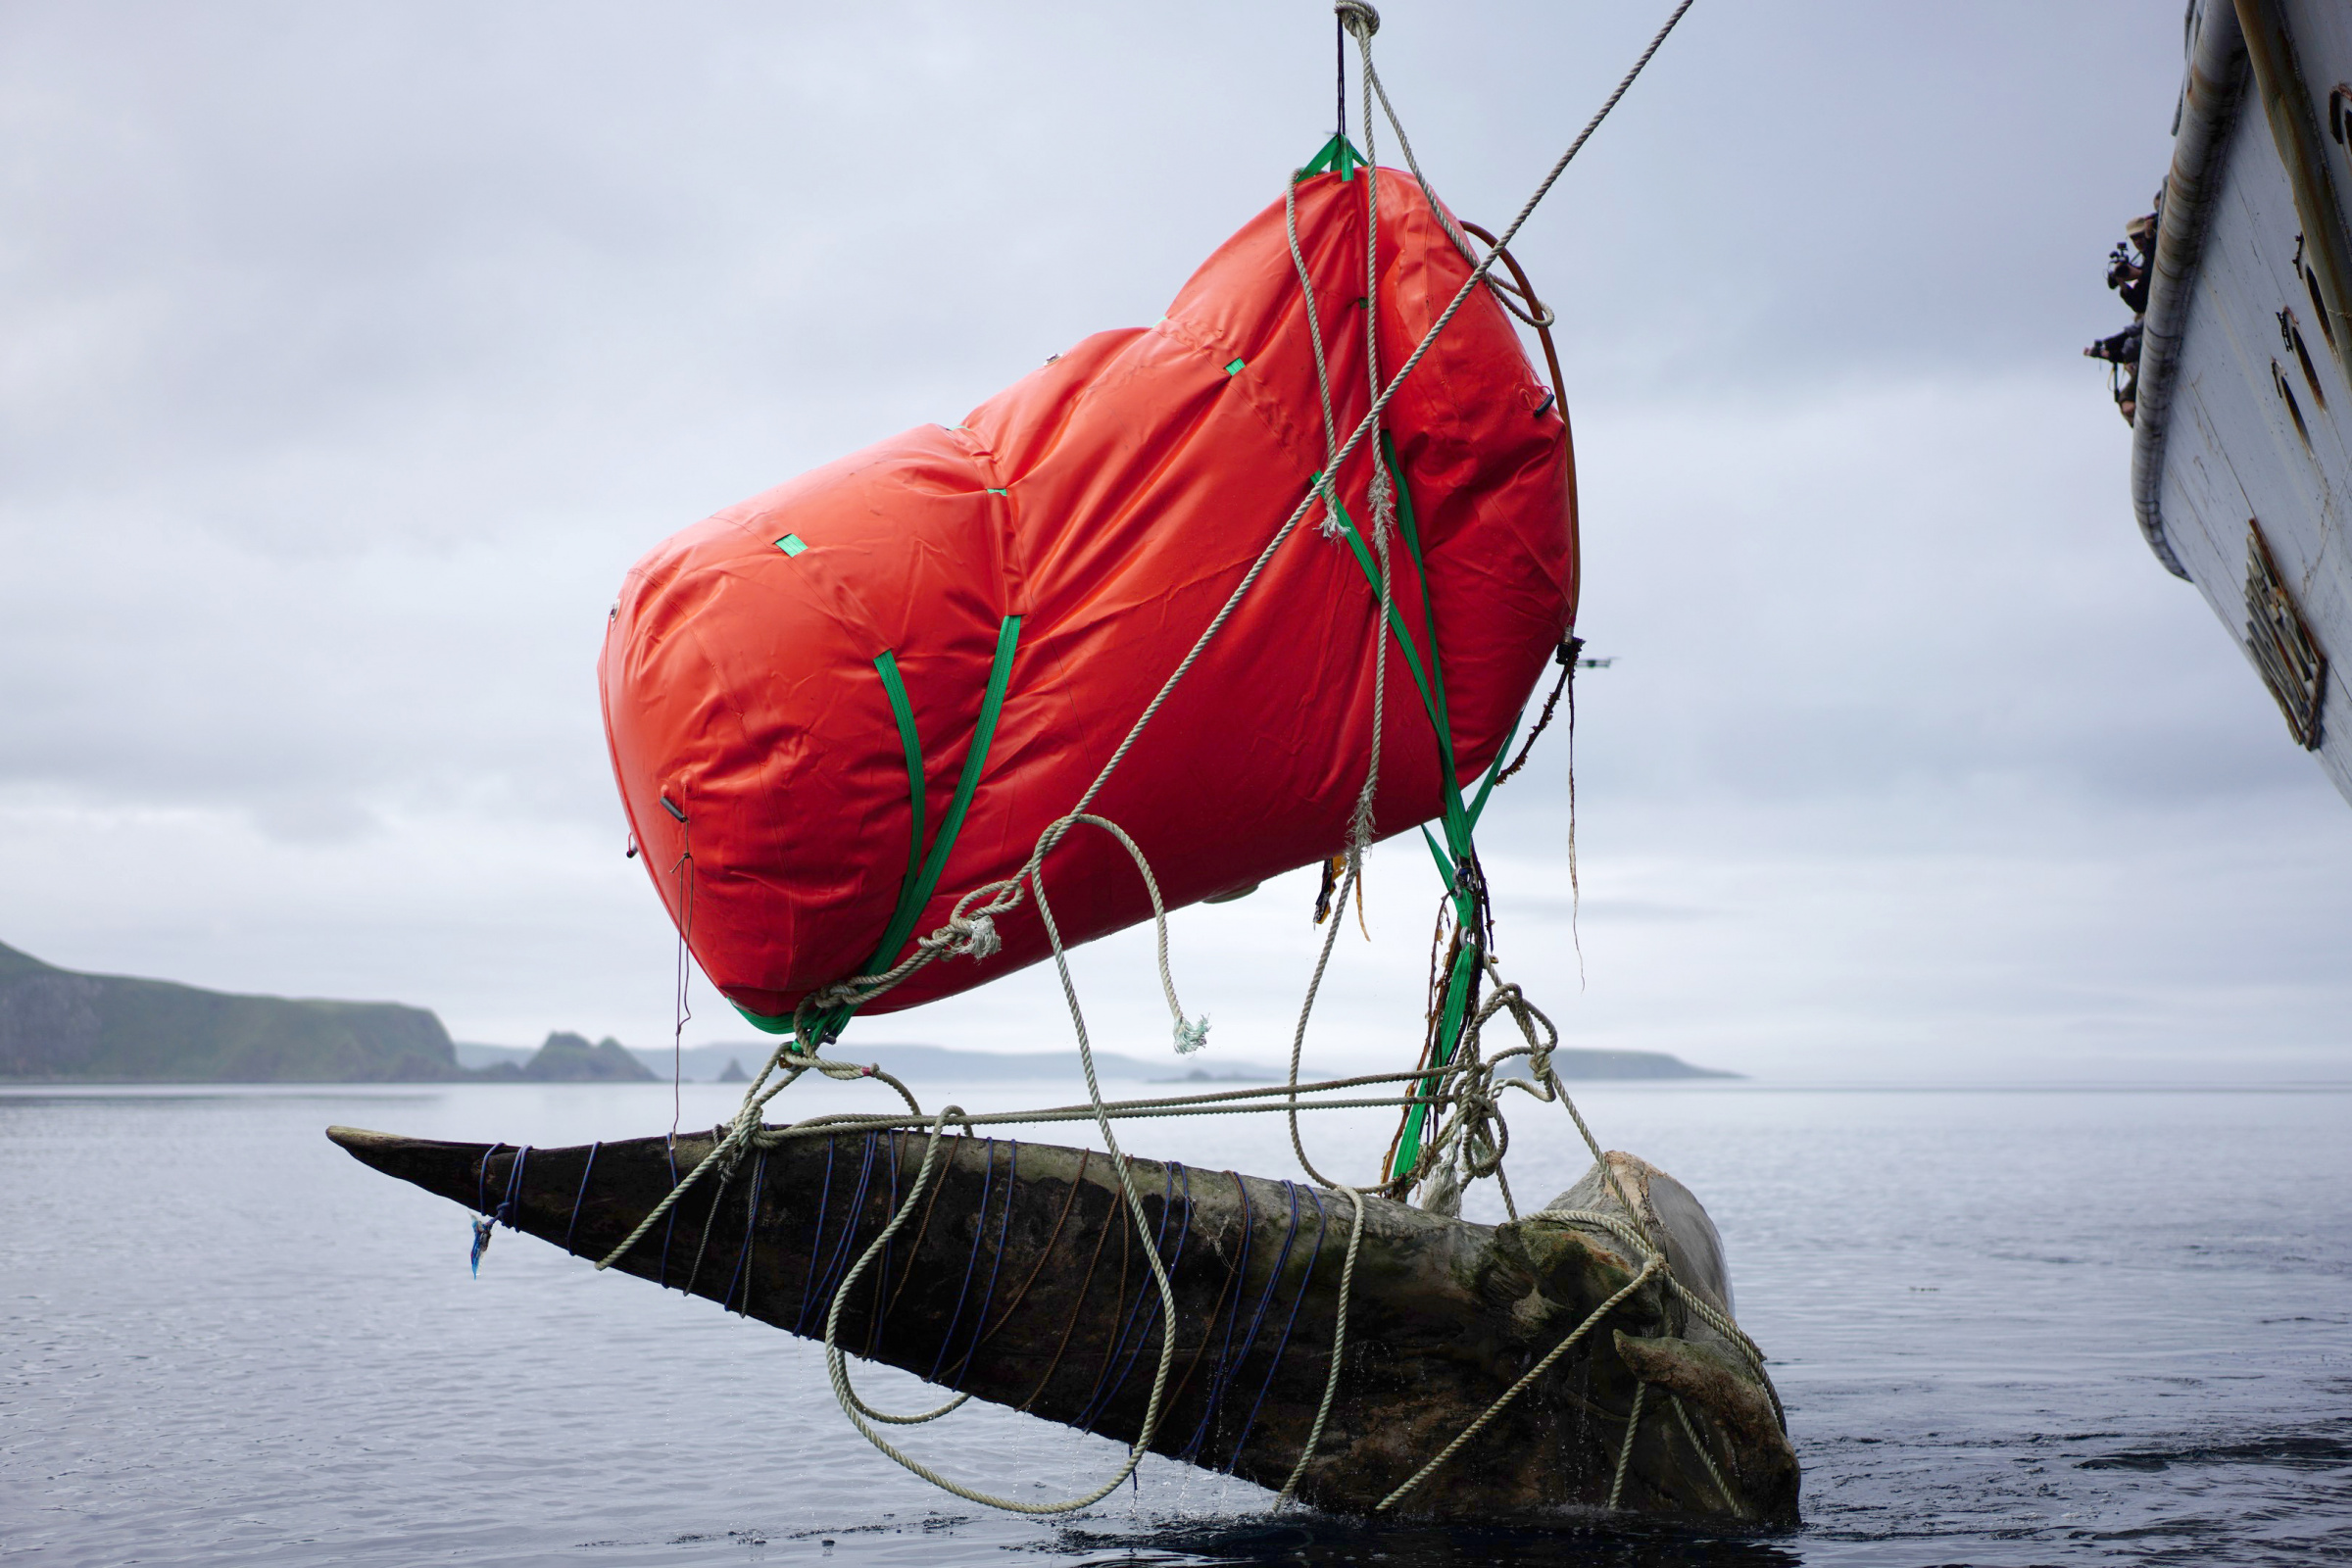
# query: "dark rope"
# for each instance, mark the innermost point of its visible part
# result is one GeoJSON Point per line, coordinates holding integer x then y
{"type": "Point", "coordinates": [1265, 1299]}
{"type": "Point", "coordinates": [1221, 1373]}
{"type": "Point", "coordinates": [1120, 1221]}
{"type": "Point", "coordinates": [1067, 1203]}
{"type": "Point", "coordinates": [873, 1328]}
{"type": "Point", "coordinates": [1151, 1296]}
{"type": "Point", "coordinates": [581, 1194]}
{"type": "Point", "coordinates": [1077, 1305]}
{"type": "Point", "coordinates": [507, 1205]}
{"type": "Point", "coordinates": [1147, 1293]}
{"type": "Point", "coordinates": [1274, 1365]}
{"type": "Point", "coordinates": [751, 1217]}
{"type": "Point", "coordinates": [915, 1251]}
{"type": "Point", "coordinates": [1565, 653]}
{"type": "Point", "coordinates": [1339, 56]}
{"type": "Point", "coordinates": [848, 1228]}
{"type": "Point", "coordinates": [1096, 1397]}
{"type": "Point", "coordinates": [988, 1172]}
{"type": "Point", "coordinates": [483, 1226]}
{"type": "Point", "coordinates": [670, 1150]}
{"type": "Point", "coordinates": [482, 1180]}
{"type": "Point", "coordinates": [825, 1197]}
{"type": "Point", "coordinates": [709, 1219]}
{"type": "Point", "coordinates": [988, 1295]}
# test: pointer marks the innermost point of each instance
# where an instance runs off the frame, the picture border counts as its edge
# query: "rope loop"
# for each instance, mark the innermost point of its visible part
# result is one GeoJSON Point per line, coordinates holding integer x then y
{"type": "Point", "coordinates": [1462, 1096]}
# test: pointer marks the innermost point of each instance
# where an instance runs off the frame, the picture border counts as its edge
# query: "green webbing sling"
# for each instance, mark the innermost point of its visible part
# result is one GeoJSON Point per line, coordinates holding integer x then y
{"type": "Point", "coordinates": [1460, 816]}
{"type": "Point", "coordinates": [923, 870]}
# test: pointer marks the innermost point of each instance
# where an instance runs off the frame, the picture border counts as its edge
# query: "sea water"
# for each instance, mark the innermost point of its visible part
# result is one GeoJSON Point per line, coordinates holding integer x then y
{"type": "Point", "coordinates": [2011, 1327]}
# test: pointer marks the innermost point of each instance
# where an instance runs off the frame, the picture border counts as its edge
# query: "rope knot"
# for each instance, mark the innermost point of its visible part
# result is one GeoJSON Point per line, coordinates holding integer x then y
{"type": "Point", "coordinates": [1330, 527]}
{"type": "Point", "coordinates": [1357, 17]}
{"type": "Point", "coordinates": [976, 936]}
{"type": "Point", "coordinates": [1191, 1037]}
{"type": "Point", "coordinates": [1383, 502]}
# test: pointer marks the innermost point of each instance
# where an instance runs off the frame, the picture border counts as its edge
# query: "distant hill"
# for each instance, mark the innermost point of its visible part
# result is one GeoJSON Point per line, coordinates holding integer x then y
{"type": "Point", "coordinates": [61, 1026]}
{"type": "Point", "coordinates": [702, 1065]}
{"type": "Point", "coordinates": [568, 1058]}
{"type": "Point", "coordinates": [914, 1062]}
{"type": "Point", "coordinates": [57, 1025]}
{"type": "Point", "coordinates": [1582, 1066]}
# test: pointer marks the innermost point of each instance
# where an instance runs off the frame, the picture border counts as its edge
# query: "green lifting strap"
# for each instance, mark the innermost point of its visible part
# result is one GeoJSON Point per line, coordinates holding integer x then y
{"type": "Point", "coordinates": [1460, 816]}
{"type": "Point", "coordinates": [1337, 157]}
{"type": "Point", "coordinates": [904, 711]}
{"type": "Point", "coordinates": [923, 870]}
{"type": "Point", "coordinates": [913, 899]}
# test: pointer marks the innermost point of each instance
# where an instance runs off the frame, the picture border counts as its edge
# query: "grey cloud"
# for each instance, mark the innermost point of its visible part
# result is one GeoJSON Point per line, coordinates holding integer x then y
{"type": "Point", "coordinates": [347, 360]}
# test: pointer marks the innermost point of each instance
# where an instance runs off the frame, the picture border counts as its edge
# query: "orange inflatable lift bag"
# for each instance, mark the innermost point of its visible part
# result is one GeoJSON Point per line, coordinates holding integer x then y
{"type": "Point", "coordinates": [836, 708]}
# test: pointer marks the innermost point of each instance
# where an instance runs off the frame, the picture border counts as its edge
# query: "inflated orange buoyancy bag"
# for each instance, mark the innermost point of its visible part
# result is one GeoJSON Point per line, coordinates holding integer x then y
{"type": "Point", "coordinates": [989, 607]}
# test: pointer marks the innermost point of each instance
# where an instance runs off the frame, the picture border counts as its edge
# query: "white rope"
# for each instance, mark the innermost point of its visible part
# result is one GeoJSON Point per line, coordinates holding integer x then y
{"type": "Point", "coordinates": [1314, 336]}
{"type": "Point", "coordinates": [1339, 1349]}
{"type": "Point", "coordinates": [857, 1410]}
{"type": "Point", "coordinates": [1625, 1449]}
{"type": "Point", "coordinates": [970, 927]}
{"type": "Point", "coordinates": [1502, 1401]}
{"type": "Point", "coordinates": [998, 897]}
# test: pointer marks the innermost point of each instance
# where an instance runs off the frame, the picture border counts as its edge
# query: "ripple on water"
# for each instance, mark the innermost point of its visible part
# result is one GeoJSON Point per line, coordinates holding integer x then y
{"type": "Point", "coordinates": [2009, 1329]}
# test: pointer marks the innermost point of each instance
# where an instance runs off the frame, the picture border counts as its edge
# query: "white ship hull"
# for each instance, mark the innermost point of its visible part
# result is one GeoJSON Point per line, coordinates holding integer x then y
{"type": "Point", "coordinates": [2242, 435]}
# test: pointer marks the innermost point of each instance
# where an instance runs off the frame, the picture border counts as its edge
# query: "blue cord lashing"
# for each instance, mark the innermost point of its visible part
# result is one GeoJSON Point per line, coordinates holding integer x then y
{"type": "Point", "coordinates": [1220, 1372]}
{"type": "Point", "coordinates": [751, 1220]}
{"type": "Point", "coordinates": [581, 1194]}
{"type": "Point", "coordinates": [988, 1171]}
{"type": "Point", "coordinates": [824, 1195]}
{"type": "Point", "coordinates": [842, 1248]}
{"type": "Point", "coordinates": [988, 1297]}
{"type": "Point", "coordinates": [505, 1214]}
{"type": "Point", "coordinates": [1100, 1399]}
{"type": "Point", "coordinates": [1274, 1362]}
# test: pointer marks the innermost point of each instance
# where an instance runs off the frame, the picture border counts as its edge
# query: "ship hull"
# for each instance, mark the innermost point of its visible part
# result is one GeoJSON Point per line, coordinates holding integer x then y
{"type": "Point", "coordinates": [2242, 439]}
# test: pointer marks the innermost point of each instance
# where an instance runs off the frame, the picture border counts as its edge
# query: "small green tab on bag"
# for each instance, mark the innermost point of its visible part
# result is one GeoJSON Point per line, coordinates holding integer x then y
{"type": "Point", "coordinates": [1235, 369]}
{"type": "Point", "coordinates": [792, 544]}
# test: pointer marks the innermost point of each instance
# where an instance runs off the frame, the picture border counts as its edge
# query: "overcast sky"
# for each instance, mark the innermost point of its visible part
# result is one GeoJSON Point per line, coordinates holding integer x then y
{"type": "Point", "coordinates": [349, 356]}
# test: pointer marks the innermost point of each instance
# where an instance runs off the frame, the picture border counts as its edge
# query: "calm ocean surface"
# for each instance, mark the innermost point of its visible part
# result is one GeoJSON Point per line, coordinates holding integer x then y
{"type": "Point", "coordinates": [2011, 1328]}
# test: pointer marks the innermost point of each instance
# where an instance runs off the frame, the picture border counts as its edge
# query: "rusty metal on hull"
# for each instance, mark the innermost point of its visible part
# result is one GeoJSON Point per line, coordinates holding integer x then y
{"type": "Point", "coordinates": [2209, 101]}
